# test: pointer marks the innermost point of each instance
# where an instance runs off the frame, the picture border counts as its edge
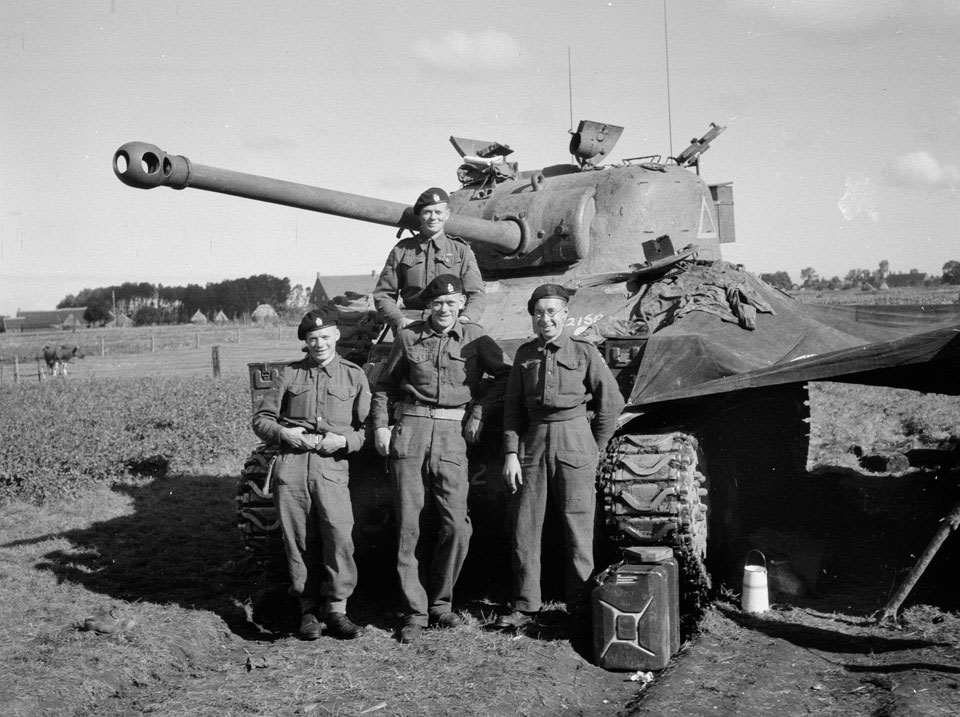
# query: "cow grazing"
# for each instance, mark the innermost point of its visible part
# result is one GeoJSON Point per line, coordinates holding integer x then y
{"type": "Point", "coordinates": [57, 357]}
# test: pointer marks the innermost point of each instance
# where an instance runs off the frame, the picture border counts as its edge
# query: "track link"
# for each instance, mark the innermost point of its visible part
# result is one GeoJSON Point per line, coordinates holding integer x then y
{"type": "Point", "coordinates": [652, 489]}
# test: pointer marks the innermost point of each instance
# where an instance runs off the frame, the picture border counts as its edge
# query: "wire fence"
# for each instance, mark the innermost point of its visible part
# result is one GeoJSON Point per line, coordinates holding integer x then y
{"type": "Point", "coordinates": [148, 351]}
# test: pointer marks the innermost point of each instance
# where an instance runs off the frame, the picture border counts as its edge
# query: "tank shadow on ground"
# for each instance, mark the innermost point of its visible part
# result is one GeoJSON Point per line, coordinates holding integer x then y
{"type": "Point", "coordinates": [179, 545]}
{"type": "Point", "coordinates": [816, 638]}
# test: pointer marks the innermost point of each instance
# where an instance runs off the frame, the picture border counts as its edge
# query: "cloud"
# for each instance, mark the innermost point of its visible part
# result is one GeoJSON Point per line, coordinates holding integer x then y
{"type": "Point", "coordinates": [458, 50]}
{"type": "Point", "coordinates": [920, 170]}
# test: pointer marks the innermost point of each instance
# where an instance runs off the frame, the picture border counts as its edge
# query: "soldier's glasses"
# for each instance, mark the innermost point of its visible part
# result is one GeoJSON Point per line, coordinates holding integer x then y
{"type": "Point", "coordinates": [549, 313]}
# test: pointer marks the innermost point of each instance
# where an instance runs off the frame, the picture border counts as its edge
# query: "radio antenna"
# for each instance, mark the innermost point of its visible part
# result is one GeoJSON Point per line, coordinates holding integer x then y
{"type": "Point", "coordinates": [666, 52]}
{"type": "Point", "coordinates": [570, 85]}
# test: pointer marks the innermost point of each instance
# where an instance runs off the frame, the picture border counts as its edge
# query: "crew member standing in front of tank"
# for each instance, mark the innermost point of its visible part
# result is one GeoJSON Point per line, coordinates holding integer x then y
{"type": "Point", "coordinates": [432, 379]}
{"type": "Point", "coordinates": [416, 261]}
{"type": "Point", "coordinates": [551, 447]}
{"type": "Point", "coordinates": [316, 409]}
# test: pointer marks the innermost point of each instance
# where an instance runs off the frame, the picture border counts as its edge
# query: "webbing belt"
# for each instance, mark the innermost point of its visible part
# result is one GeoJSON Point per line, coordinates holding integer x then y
{"type": "Point", "coordinates": [436, 412]}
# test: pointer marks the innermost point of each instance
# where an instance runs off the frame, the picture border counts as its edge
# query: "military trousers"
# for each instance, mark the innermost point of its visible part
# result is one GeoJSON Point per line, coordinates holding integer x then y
{"type": "Point", "coordinates": [429, 470]}
{"type": "Point", "coordinates": [558, 460]}
{"type": "Point", "coordinates": [312, 496]}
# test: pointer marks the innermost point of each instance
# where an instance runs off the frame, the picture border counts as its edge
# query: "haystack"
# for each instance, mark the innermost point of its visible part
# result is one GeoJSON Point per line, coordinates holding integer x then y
{"type": "Point", "coordinates": [265, 314]}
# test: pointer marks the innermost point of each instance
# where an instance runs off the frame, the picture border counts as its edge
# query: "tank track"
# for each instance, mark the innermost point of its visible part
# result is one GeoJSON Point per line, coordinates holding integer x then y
{"type": "Point", "coordinates": [256, 515]}
{"type": "Point", "coordinates": [651, 489]}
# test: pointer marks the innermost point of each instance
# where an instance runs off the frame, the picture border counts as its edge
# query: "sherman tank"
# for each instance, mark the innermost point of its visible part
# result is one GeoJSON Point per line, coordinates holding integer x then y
{"type": "Point", "coordinates": [713, 362]}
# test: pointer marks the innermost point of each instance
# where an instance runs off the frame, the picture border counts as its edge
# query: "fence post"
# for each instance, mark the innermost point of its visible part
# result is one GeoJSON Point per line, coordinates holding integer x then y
{"type": "Point", "coordinates": [103, 351]}
{"type": "Point", "coordinates": [238, 334]}
{"type": "Point", "coordinates": [198, 339]}
{"type": "Point", "coordinates": [153, 343]}
{"type": "Point", "coordinates": [278, 332]}
{"type": "Point", "coordinates": [216, 362]}
{"type": "Point", "coordinates": [16, 370]}
{"type": "Point", "coordinates": [39, 370]}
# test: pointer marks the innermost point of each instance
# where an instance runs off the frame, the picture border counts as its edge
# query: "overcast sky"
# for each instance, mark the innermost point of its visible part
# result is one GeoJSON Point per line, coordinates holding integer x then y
{"type": "Point", "coordinates": [843, 139]}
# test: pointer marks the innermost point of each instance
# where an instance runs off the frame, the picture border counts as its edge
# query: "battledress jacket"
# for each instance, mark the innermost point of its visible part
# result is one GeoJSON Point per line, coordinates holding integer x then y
{"type": "Point", "coordinates": [444, 370]}
{"type": "Point", "coordinates": [557, 381]}
{"type": "Point", "coordinates": [334, 398]}
{"type": "Point", "coordinates": [415, 262]}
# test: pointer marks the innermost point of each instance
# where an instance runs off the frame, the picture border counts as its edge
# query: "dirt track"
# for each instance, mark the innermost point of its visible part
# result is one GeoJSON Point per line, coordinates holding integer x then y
{"type": "Point", "coordinates": [800, 661]}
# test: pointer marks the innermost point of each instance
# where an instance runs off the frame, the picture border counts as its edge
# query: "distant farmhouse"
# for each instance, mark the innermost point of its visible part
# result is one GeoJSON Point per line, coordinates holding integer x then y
{"type": "Point", "coordinates": [11, 323]}
{"type": "Point", "coordinates": [328, 288]}
{"type": "Point", "coordinates": [45, 320]}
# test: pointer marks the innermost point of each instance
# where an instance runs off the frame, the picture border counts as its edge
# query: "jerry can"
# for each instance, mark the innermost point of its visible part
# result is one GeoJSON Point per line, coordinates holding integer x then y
{"type": "Point", "coordinates": [631, 618]}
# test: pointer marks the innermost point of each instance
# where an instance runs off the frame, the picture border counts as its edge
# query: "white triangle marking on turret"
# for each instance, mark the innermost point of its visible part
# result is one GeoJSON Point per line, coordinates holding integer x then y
{"type": "Point", "coordinates": [708, 228]}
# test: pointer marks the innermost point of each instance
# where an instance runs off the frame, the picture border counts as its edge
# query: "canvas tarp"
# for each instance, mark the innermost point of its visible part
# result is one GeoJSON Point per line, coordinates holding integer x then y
{"type": "Point", "coordinates": [699, 345]}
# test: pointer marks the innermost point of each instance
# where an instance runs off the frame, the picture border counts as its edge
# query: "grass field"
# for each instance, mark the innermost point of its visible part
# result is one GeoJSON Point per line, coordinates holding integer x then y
{"type": "Point", "coordinates": [889, 297]}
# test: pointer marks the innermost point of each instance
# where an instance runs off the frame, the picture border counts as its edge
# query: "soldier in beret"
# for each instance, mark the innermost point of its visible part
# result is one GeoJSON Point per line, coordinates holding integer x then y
{"type": "Point", "coordinates": [551, 447]}
{"type": "Point", "coordinates": [316, 409]}
{"type": "Point", "coordinates": [416, 261]}
{"type": "Point", "coordinates": [432, 379]}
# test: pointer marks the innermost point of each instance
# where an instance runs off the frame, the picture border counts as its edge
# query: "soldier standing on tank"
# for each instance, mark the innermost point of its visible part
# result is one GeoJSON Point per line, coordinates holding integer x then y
{"type": "Point", "coordinates": [560, 409]}
{"type": "Point", "coordinates": [432, 379]}
{"type": "Point", "coordinates": [316, 409]}
{"type": "Point", "coordinates": [416, 261]}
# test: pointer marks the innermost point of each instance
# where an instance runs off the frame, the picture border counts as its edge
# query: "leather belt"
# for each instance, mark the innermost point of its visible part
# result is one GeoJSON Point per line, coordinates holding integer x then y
{"type": "Point", "coordinates": [436, 412]}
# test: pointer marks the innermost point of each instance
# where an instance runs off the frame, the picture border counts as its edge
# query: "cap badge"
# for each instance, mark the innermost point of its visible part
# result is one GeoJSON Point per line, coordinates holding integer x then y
{"type": "Point", "coordinates": [319, 321]}
{"type": "Point", "coordinates": [449, 288]}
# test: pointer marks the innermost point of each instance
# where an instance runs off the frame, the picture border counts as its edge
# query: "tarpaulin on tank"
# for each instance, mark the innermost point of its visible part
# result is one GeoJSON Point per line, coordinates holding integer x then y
{"type": "Point", "coordinates": [699, 346]}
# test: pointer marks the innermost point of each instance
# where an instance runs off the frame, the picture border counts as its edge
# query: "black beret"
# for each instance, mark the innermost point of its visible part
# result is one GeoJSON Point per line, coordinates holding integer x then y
{"type": "Point", "coordinates": [317, 319]}
{"type": "Point", "coordinates": [441, 286]}
{"type": "Point", "coordinates": [547, 291]}
{"type": "Point", "coordinates": [434, 195]}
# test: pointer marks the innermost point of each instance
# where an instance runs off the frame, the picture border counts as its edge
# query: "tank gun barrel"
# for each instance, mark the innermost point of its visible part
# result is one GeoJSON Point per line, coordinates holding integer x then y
{"type": "Point", "coordinates": [144, 166]}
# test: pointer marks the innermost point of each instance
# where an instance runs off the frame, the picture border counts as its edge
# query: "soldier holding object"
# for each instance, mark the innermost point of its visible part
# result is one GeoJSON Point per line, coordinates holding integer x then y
{"type": "Point", "coordinates": [432, 379]}
{"type": "Point", "coordinates": [416, 261]}
{"type": "Point", "coordinates": [551, 447]}
{"type": "Point", "coordinates": [316, 409]}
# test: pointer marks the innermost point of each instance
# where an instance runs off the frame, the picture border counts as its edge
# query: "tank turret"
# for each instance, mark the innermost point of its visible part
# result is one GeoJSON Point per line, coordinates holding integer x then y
{"type": "Point", "coordinates": [577, 219]}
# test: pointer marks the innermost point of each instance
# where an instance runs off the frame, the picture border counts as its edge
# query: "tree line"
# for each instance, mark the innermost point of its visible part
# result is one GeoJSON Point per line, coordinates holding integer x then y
{"type": "Point", "coordinates": [879, 278]}
{"type": "Point", "coordinates": [148, 304]}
